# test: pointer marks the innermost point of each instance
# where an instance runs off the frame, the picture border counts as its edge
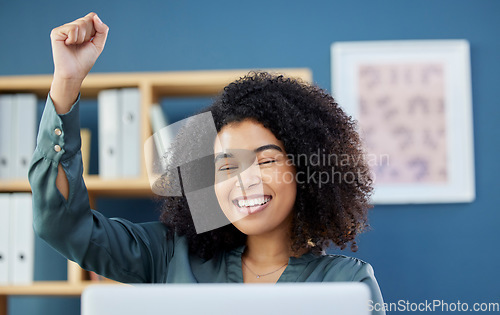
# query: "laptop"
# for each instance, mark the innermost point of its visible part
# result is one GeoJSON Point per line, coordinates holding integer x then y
{"type": "Point", "coordinates": [345, 298]}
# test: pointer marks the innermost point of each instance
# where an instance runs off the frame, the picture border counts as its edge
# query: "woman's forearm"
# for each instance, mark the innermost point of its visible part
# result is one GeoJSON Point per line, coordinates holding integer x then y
{"type": "Point", "coordinates": [64, 93]}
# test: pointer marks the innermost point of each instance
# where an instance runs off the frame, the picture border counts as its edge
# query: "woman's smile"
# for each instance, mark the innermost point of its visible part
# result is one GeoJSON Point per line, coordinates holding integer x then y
{"type": "Point", "coordinates": [252, 204]}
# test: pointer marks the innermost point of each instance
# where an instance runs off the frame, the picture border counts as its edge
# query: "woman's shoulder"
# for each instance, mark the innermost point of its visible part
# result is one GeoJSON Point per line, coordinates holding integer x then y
{"type": "Point", "coordinates": [341, 259]}
{"type": "Point", "coordinates": [344, 268]}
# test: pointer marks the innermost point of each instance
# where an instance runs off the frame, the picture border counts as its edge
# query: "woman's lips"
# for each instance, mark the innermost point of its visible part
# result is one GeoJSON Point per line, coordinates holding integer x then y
{"type": "Point", "coordinates": [252, 204]}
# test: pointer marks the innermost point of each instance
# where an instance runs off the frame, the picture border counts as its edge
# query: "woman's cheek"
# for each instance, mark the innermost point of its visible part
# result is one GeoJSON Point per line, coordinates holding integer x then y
{"type": "Point", "coordinates": [283, 175]}
{"type": "Point", "coordinates": [220, 192]}
{"type": "Point", "coordinates": [268, 175]}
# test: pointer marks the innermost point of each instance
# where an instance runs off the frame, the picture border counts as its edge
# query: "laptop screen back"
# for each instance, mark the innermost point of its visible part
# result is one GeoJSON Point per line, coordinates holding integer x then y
{"type": "Point", "coordinates": [346, 298]}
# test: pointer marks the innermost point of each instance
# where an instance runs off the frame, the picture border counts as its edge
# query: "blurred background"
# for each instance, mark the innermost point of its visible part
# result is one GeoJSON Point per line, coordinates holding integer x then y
{"type": "Point", "coordinates": [446, 252]}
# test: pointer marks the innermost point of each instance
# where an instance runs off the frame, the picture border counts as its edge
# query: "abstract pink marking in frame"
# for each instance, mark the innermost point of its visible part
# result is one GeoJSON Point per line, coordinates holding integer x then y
{"type": "Point", "coordinates": [402, 117]}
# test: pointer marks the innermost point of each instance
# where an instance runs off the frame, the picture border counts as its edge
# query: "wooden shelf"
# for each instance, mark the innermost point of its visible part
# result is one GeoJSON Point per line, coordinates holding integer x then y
{"type": "Point", "coordinates": [49, 288]}
{"type": "Point", "coordinates": [95, 185]}
{"type": "Point", "coordinates": [7, 186]}
{"type": "Point", "coordinates": [175, 83]}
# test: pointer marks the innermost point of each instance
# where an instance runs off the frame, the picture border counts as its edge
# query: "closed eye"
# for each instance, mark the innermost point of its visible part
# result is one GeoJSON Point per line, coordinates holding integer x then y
{"type": "Point", "coordinates": [267, 162]}
{"type": "Point", "coordinates": [227, 168]}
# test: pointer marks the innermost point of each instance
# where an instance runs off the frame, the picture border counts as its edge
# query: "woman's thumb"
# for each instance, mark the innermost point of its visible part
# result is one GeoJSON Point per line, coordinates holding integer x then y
{"type": "Point", "coordinates": [101, 33]}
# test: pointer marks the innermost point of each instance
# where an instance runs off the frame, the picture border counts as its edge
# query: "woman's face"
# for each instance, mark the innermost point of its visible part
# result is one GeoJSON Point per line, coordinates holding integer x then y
{"type": "Point", "coordinates": [255, 181]}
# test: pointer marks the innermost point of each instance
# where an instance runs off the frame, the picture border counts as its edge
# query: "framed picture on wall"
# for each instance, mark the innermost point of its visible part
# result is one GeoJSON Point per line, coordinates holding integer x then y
{"type": "Point", "coordinates": [413, 104]}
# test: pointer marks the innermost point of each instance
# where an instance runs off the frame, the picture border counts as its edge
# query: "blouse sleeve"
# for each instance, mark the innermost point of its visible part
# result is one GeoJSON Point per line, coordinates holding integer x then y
{"type": "Point", "coordinates": [349, 269]}
{"type": "Point", "coordinates": [114, 248]}
{"type": "Point", "coordinates": [366, 275]}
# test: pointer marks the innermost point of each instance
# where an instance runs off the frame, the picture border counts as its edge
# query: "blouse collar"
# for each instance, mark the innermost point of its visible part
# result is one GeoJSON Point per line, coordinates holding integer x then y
{"type": "Point", "coordinates": [305, 258]}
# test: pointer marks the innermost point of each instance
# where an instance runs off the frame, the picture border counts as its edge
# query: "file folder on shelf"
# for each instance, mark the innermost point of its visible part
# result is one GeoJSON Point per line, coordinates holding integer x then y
{"type": "Point", "coordinates": [25, 129]}
{"type": "Point", "coordinates": [6, 136]}
{"type": "Point", "coordinates": [109, 134]}
{"type": "Point", "coordinates": [22, 239]}
{"type": "Point", "coordinates": [4, 238]}
{"type": "Point", "coordinates": [131, 130]}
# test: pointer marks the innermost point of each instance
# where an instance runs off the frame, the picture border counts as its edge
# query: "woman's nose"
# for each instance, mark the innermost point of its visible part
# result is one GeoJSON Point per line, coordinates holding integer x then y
{"type": "Point", "coordinates": [249, 177]}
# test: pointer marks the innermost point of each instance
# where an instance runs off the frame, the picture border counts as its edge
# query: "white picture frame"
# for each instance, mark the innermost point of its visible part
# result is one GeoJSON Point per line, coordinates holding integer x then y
{"type": "Point", "coordinates": [412, 100]}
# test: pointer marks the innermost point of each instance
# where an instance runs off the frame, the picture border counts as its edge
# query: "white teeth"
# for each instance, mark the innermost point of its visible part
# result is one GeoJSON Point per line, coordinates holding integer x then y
{"type": "Point", "coordinates": [253, 202]}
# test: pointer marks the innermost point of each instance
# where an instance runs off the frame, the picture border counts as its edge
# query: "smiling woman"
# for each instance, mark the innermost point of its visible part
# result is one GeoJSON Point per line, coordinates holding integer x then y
{"type": "Point", "coordinates": [265, 174]}
{"type": "Point", "coordinates": [275, 140]}
{"type": "Point", "coordinates": [273, 134]}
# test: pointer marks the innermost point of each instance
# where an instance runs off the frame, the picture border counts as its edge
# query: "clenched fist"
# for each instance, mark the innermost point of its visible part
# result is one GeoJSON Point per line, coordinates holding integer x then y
{"type": "Point", "coordinates": [75, 49]}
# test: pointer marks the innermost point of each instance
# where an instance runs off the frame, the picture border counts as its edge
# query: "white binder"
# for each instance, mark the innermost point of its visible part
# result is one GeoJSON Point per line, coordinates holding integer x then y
{"type": "Point", "coordinates": [25, 129]}
{"type": "Point", "coordinates": [4, 238]}
{"type": "Point", "coordinates": [162, 135]}
{"type": "Point", "coordinates": [22, 254]}
{"type": "Point", "coordinates": [157, 117]}
{"type": "Point", "coordinates": [131, 130]}
{"type": "Point", "coordinates": [109, 133]}
{"type": "Point", "coordinates": [6, 136]}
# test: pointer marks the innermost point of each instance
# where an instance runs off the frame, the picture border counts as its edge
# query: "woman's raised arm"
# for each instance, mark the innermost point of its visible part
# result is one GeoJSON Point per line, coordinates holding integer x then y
{"type": "Point", "coordinates": [116, 248]}
{"type": "Point", "coordinates": [75, 49]}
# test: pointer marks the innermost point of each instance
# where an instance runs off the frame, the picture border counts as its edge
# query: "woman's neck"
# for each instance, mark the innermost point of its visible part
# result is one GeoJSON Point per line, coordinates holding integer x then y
{"type": "Point", "coordinates": [270, 248]}
{"type": "Point", "coordinates": [261, 249]}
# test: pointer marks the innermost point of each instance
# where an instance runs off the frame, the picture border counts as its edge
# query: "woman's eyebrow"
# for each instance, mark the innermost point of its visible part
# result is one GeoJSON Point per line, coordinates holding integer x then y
{"type": "Point", "coordinates": [224, 155]}
{"type": "Point", "coordinates": [267, 147]}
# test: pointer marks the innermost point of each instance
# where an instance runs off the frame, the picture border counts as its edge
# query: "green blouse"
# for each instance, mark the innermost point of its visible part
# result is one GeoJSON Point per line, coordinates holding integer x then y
{"type": "Point", "coordinates": [140, 253]}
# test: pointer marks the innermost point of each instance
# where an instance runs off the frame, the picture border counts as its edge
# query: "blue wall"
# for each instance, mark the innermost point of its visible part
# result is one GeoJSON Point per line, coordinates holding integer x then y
{"type": "Point", "coordinates": [447, 252]}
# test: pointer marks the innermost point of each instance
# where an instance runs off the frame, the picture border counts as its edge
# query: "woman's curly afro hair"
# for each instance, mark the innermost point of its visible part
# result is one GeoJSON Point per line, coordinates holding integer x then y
{"type": "Point", "coordinates": [310, 124]}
